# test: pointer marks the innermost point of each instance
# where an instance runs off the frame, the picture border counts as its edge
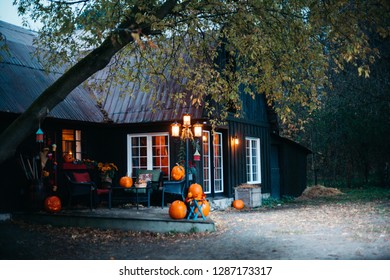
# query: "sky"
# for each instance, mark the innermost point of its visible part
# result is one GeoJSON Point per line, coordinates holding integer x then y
{"type": "Point", "coordinates": [9, 13]}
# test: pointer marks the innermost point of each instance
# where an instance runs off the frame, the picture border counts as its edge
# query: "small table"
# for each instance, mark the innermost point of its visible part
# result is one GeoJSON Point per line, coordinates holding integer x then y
{"type": "Point", "coordinates": [142, 194]}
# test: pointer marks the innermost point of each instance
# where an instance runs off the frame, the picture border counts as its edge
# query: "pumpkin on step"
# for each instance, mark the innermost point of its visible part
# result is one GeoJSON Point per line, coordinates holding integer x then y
{"type": "Point", "coordinates": [178, 210]}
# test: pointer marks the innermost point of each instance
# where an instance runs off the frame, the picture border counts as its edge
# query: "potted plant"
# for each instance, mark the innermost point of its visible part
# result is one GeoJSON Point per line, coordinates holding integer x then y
{"type": "Point", "coordinates": [107, 171]}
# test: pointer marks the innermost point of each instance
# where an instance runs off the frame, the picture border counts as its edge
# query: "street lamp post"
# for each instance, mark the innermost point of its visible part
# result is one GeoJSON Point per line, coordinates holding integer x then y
{"type": "Point", "coordinates": [186, 135]}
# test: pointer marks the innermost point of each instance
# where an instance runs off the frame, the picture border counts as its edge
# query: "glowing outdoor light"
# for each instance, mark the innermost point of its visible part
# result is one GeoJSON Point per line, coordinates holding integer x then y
{"type": "Point", "coordinates": [175, 127]}
{"type": "Point", "coordinates": [187, 120]}
{"type": "Point", "coordinates": [236, 141]}
{"type": "Point", "coordinates": [197, 130]}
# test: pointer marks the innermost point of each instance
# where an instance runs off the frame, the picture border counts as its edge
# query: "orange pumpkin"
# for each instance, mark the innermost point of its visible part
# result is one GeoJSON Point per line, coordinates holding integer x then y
{"type": "Point", "coordinates": [68, 158]}
{"type": "Point", "coordinates": [178, 210]}
{"type": "Point", "coordinates": [196, 191]}
{"type": "Point", "coordinates": [238, 204]}
{"type": "Point", "coordinates": [53, 204]}
{"type": "Point", "coordinates": [205, 206]}
{"type": "Point", "coordinates": [126, 182]}
{"type": "Point", "coordinates": [178, 173]}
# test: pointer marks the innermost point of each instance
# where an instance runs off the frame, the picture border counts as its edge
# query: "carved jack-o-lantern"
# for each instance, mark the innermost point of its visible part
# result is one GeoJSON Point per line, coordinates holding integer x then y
{"type": "Point", "coordinates": [68, 158]}
{"type": "Point", "coordinates": [53, 204]}
{"type": "Point", "coordinates": [178, 173]}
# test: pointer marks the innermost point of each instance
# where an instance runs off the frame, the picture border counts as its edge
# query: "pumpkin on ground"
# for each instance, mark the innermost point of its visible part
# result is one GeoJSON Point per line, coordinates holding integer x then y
{"type": "Point", "coordinates": [205, 206]}
{"type": "Point", "coordinates": [178, 210]}
{"type": "Point", "coordinates": [53, 204]}
{"type": "Point", "coordinates": [178, 173]}
{"type": "Point", "coordinates": [196, 191]}
{"type": "Point", "coordinates": [238, 204]}
{"type": "Point", "coordinates": [126, 182]}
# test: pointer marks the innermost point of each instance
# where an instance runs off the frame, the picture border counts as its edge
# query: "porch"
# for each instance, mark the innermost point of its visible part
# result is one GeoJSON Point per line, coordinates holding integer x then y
{"type": "Point", "coordinates": [153, 219]}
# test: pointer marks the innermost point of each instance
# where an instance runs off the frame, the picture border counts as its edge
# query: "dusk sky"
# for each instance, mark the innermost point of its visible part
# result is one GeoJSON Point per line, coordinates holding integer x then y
{"type": "Point", "coordinates": [9, 13]}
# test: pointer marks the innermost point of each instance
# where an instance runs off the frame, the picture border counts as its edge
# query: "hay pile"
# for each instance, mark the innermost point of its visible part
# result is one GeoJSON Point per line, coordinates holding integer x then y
{"type": "Point", "coordinates": [248, 186]}
{"type": "Point", "coordinates": [319, 191]}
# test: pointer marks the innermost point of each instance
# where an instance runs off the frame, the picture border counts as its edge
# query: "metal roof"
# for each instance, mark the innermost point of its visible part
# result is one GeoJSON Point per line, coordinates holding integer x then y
{"type": "Point", "coordinates": [135, 106]}
{"type": "Point", "coordinates": [23, 79]}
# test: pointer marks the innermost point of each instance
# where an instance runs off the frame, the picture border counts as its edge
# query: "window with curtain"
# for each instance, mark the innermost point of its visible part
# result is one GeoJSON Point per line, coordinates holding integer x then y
{"type": "Point", "coordinates": [71, 143]}
{"type": "Point", "coordinates": [148, 151]}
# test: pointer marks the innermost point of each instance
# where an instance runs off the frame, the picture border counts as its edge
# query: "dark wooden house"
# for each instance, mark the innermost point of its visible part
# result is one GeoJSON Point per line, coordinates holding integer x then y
{"type": "Point", "coordinates": [131, 133]}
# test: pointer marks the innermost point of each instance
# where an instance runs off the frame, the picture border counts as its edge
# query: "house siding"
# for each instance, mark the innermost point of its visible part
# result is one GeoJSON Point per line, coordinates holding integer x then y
{"type": "Point", "coordinates": [292, 159]}
{"type": "Point", "coordinates": [237, 156]}
{"type": "Point", "coordinates": [105, 139]}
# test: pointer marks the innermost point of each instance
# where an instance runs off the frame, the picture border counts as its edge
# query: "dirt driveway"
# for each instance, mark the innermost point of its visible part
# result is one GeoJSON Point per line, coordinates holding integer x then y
{"type": "Point", "coordinates": [322, 230]}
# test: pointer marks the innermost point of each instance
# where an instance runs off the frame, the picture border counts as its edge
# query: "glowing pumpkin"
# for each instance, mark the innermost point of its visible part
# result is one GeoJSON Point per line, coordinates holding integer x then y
{"type": "Point", "coordinates": [196, 191]}
{"type": "Point", "coordinates": [238, 204]}
{"type": "Point", "coordinates": [205, 206]}
{"type": "Point", "coordinates": [68, 158]}
{"type": "Point", "coordinates": [178, 210]}
{"type": "Point", "coordinates": [178, 173]}
{"type": "Point", "coordinates": [53, 204]}
{"type": "Point", "coordinates": [126, 182]}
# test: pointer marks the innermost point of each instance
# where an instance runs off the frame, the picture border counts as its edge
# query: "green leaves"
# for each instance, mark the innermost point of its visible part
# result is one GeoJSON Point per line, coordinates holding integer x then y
{"type": "Point", "coordinates": [278, 48]}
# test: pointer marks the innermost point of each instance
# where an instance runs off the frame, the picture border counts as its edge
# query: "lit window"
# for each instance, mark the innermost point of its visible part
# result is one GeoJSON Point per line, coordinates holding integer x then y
{"type": "Point", "coordinates": [71, 143]}
{"type": "Point", "coordinates": [148, 151]}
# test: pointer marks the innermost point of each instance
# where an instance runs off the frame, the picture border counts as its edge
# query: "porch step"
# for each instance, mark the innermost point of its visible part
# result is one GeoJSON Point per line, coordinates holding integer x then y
{"type": "Point", "coordinates": [220, 203]}
{"type": "Point", "coordinates": [145, 219]}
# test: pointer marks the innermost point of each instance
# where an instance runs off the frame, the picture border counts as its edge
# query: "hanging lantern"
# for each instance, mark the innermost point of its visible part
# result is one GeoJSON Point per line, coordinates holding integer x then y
{"type": "Point", "coordinates": [198, 130]}
{"type": "Point", "coordinates": [39, 136]}
{"type": "Point", "coordinates": [197, 156]}
{"type": "Point", "coordinates": [175, 129]}
{"type": "Point", "coordinates": [187, 120]}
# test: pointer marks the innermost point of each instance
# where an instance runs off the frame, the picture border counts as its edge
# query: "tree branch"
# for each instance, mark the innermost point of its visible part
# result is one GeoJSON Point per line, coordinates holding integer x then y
{"type": "Point", "coordinates": [96, 60]}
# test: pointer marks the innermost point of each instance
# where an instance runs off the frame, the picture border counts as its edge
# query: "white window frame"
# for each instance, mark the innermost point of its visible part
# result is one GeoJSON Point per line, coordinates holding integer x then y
{"type": "Point", "coordinates": [149, 150]}
{"type": "Point", "coordinates": [207, 158]}
{"type": "Point", "coordinates": [252, 145]}
{"type": "Point", "coordinates": [218, 147]}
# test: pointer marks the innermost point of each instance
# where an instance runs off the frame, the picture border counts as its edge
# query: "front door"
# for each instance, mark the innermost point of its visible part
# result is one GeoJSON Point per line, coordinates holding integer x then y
{"type": "Point", "coordinates": [212, 163]}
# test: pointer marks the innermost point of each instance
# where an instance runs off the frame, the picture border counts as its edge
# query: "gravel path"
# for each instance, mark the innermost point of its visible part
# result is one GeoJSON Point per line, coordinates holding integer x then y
{"type": "Point", "coordinates": [294, 231]}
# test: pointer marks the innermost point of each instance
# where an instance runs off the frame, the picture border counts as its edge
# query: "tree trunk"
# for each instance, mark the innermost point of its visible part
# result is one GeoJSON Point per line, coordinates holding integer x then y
{"type": "Point", "coordinates": [28, 122]}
